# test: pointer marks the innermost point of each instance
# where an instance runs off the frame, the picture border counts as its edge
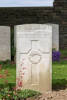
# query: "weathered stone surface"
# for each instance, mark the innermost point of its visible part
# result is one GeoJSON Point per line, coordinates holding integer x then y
{"type": "Point", "coordinates": [55, 36]}
{"type": "Point", "coordinates": [34, 56]}
{"type": "Point", "coordinates": [5, 53]}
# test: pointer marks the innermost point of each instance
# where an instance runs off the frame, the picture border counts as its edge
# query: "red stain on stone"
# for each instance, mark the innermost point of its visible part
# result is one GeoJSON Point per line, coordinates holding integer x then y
{"type": "Point", "coordinates": [20, 84]}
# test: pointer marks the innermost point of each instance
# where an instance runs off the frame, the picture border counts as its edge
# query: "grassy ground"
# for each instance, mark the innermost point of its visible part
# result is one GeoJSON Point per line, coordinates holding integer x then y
{"type": "Point", "coordinates": [63, 53]}
{"type": "Point", "coordinates": [59, 73]}
{"type": "Point", "coordinates": [10, 69]}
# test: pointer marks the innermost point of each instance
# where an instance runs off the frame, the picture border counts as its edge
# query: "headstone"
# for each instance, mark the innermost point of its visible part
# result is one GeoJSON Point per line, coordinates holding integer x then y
{"type": "Point", "coordinates": [55, 37]}
{"type": "Point", "coordinates": [34, 57]}
{"type": "Point", "coordinates": [5, 53]}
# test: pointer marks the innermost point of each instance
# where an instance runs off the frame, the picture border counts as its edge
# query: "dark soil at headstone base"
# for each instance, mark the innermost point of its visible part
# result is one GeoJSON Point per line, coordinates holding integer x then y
{"type": "Point", "coordinates": [54, 95]}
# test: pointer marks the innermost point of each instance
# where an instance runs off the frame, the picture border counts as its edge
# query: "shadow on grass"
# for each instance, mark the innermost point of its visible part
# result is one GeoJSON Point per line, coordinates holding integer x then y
{"type": "Point", "coordinates": [59, 84]}
{"type": "Point", "coordinates": [8, 64]}
{"type": "Point", "coordinates": [11, 85]}
{"type": "Point", "coordinates": [61, 62]}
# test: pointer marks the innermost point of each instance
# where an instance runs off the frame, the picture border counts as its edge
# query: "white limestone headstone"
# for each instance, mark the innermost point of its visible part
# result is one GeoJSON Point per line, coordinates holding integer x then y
{"type": "Point", "coordinates": [34, 57]}
{"type": "Point", "coordinates": [55, 37]}
{"type": "Point", "coordinates": [5, 53]}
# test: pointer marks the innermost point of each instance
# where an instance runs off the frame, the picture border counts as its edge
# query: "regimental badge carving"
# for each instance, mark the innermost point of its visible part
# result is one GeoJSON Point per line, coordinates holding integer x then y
{"type": "Point", "coordinates": [35, 57]}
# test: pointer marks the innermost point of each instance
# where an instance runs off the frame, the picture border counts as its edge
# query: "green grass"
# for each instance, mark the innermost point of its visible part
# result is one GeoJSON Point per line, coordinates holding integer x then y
{"type": "Point", "coordinates": [29, 93]}
{"type": "Point", "coordinates": [11, 73]}
{"type": "Point", "coordinates": [59, 73]}
{"type": "Point", "coordinates": [63, 53]}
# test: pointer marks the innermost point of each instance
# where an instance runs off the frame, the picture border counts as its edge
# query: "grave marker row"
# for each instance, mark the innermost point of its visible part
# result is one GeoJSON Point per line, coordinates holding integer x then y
{"type": "Point", "coordinates": [5, 48]}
